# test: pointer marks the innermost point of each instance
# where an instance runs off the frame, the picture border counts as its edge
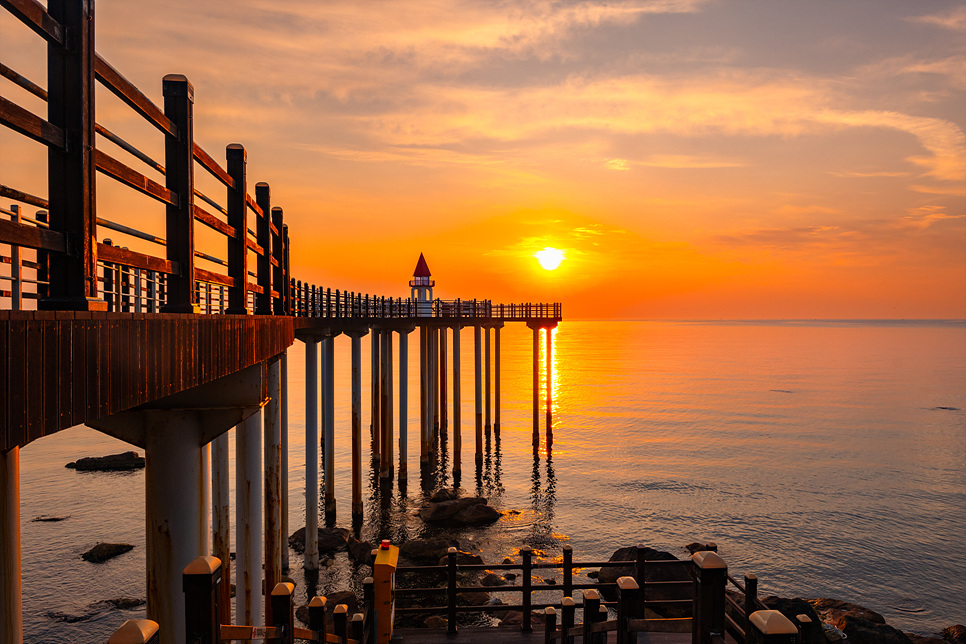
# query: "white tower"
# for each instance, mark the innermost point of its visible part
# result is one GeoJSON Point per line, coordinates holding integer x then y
{"type": "Point", "coordinates": [421, 287]}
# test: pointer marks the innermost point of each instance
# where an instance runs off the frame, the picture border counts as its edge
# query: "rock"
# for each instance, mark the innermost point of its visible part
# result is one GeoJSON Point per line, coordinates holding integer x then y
{"type": "Point", "coordinates": [861, 631]}
{"type": "Point", "coordinates": [593, 574]}
{"type": "Point", "coordinates": [360, 551]}
{"type": "Point", "coordinates": [812, 632]}
{"type": "Point", "coordinates": [111, 463]}
{"type": "Point", "coordinates": [510, 576]}
{"type": "Point", "coordinates": [699, 547]}
{"type": "Point", "coordinates": [126, 603]}
{"type": "Point", "coordinates": [922, 639]}
{"type": "Point", "coordinates": [444, 494]}
{"type": "Point", "coordinates": [550, 580]}
{"type": "Point", "coordinates": [955, 633]}
{"type": "Point", "coordinates": [508, 561]}
{"type": "Point", "coordinates": [463, 558]}
{"type": "Point", "coordinates": [834, 611]}
{"type": "Point", "coordinates": [104, 551]}
{"type": "Point", "coordinates": [474, 598]}
{"type": "Point", "coordinates": [515, 618]}
{"type": "Point", "coordinates": [296, 541]}
{"type": "Point", "coordinates": [332, 539]}
{"type": "Point", "coordinates": [609, 575]}
{"type": "Point", "coordinates": [493, 579]}
{"type": "Point", "coordinates": [424, 550]}
{"type": "Point", "coordinates": [478, 515]}
{"type": "Point", "coordinates": [47, 518]}
{"type": "Point", "coordinates": [435, 621]}
{"type": "Point", "coordinates": [96, 608]}
{"type": "Point", "coordinates": [332, 600]}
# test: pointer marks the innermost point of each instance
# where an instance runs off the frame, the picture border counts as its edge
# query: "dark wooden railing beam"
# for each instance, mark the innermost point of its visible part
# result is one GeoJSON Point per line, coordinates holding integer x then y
{"type": "Point", "coordinates": [130, 177]}
{"type": "Point", "coordinates": [33, 14]}
{"type": "Point", "coordinates": [7, 192]}
{"type": "Point", "coordinates": [30, 125]}
{"type": "Point", "coordinates": [212, 166]}
{"type": "Point", "coordinates": [133, 97]}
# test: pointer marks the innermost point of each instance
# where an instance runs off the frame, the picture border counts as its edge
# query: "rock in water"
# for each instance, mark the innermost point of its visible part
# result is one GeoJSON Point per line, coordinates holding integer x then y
{"type": "Point", "coordinates": [360, 551]}
{"type": "Point", "coordinates": [104, 551]}
{"type": "Point", "coordinates": [112, 463]}
{"type": "Point", "coordinates": [424, 549]}
{"type": "Point", "coordinates": [955, 633]}
{"type": "Point", "coordinates": [861, 631]}
{"type": "Point", "coordinates": [468, 511]}
{"type": "Point", "coordinates": [812, 632]}
{"type": "Point", "coordinates": [834, 612]}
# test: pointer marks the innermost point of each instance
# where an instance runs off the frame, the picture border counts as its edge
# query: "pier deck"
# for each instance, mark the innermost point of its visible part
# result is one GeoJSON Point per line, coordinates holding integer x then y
{"type": "Point", "coordinates": [513, 635]}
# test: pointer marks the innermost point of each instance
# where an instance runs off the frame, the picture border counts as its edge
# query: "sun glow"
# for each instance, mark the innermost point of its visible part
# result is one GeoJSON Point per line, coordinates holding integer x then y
{"type": "Point", "coordinates": [549, 258]}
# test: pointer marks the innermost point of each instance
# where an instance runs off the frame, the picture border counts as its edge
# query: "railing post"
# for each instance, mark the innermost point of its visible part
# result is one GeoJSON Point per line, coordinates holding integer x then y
{"type": "Point", "coordinates": [451, 590]}
{"type": "Point", "coordinates": [568, 608]}
{"type": "Point", "coordinates": [200, 584]}
{"type": "Point", "coordinates": [627, 608]}
{"type": "Point", "coordinates": [263, 235]}
{"type": "Point", "coordinates": [71, 170]}
{"type": "Point", "coordinates": [136, 631]}
{"type": "Point", "coordinates": [526, 554]}
{"type": "Point", "coordinates": [772, 627]}
{"type": "Point", "coordinates": [287, 270]}
{"type": "Point", "coordinates": [283, 611]}
{"type": "Point", "coordinates": [237, 160]}
{"type": "Point", "coordinates": [279, 278]}
{"type": "Point", "coordinates": [550, 628]}
{"type": "Point", "coordinates": [358, 627]}
{"type": "Point", "coordinates": [591, 609]}
{"type": "Point", "coordinates": [179, 178]}
{"type": "Point", "coordinates": [317, 617]}
{"type": "Point", "coordinates": [640, 563]}
{"type": "Point", "coordinates": [568, 558]}
{"type": "Point", "coordinates": [710, 576]}
{"type": "Point", "coordinates": [340, 623]}
{"type": "Point", "coordinates": [751, 603]}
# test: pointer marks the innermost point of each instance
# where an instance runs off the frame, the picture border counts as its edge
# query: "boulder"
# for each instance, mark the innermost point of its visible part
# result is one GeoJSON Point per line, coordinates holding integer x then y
{"type": "Point", "coordinates": [444, 494]}
{"type": "Point", "coordinates": [861, 631]}
{"type": "Point", "coordinates": [123, 462]}
{"type": "Point", "coordinates": [463, 559]}
{"type": "Point", "coordinates": [834, 611]}
{"type": "Point", "coordinates": [424, 550]}
{"type": "Point", "coordinates": [468, 511]}
{"type": "Point", "coordinates": [360, 551]}
{"type": "Point", "coordinates": [697, 546]}
{"type": "Point", "coordinates": [812, 632]}
{"type": "Point", "coordinates": [96, 608]}
{"type": "Point", "coordinates": [48, 518]}
{"type": "Point", "coordinates": [493, 579]}
{"type": "Point", "coordinates": [104, 551]}
{"type": "Point", "coordinates": [610, 574]}
{"type": "Point", "coordinates": [478, 515]}
{"type": "Point", "coordinates": [330, 540]}
{"type": "Point", "coordinates": [435, 621]}
{"type": "Point", "coordinates": [332, 600]}
{"type": "Point", "coordinates": [515, 618]}
{"type": "Point", "coordinates": [923, 639]}
{"type": "Point", "coordinates": [473, 598]}
{"type": "Point", "coordinates": [955, 633]}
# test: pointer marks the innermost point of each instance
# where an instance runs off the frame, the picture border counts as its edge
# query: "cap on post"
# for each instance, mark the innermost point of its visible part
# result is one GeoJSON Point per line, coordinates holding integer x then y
{"type": "Point", "coordinates": [203, 565]}
{"type": "Point", "coordinates": [317, 602]}
{"type": "Point", "coordinates": [708, 560]}
{"type": "Point", "coordinates": [772, 622]}
{"type": "Point", "coordinates": [134, 631]}
{"type": "Point", "coordinates": [627, 583]}
{"type": "Point", "coordinates": [283, 588]}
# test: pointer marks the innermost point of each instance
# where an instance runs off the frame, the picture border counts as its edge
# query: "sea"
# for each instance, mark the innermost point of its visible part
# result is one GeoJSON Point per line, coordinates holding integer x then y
{"type": "Point", "coordinates": [827, 457]}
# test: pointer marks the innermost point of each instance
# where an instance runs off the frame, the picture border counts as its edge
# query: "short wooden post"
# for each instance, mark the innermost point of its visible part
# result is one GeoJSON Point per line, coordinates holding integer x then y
{"type": "Point", "coordinates": [772, 627]}
{"type": "Point", "coordinates": [568, 608]}
{"type": "Point", "coordinates": [179, 98]}
{"type": "Point", "coordinates": [527, 555]}
{"type": "Point", "coordinates": [340, 623]}
{"type": "Point", "coordinates": [200, 584]}
{"type": "Point", "coordinates": [568, 571]}
{"type": "Point", "coordinates": [451, 590]}
{"type": "Point", "coordinates": [751, 603]}
{"type": "Point", "coordinates": [628, 603]}
{"type": "Point", "coordinates": [317, 617]}
{"type": "Point", "coordinates": [550, 629]}
{"type": "Point", "coordinates": [710, 576]}
{"type": "Point", "coordinates": [283, 611]}
{"type": "Point", "coordinates": [136, 631]}
{"type": "Point", "coordinates": [358, 627]}
{"type": "Point", "coordinates": [591, 609]}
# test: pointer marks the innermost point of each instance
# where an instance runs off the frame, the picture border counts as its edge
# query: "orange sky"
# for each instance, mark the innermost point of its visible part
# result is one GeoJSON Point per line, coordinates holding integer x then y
{"type": "Point", "coordinates": [694, 159]}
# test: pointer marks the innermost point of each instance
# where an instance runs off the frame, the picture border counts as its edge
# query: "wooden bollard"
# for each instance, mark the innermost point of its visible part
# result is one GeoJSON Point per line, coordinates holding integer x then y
{"type": "Point", "coordinates": [568, 608]}
{"type": "Point", "coordinates": [527, 555]}
{"type": "Point", "coordinates": [136, 631]}
{"type": "Point", "coordinates": [710, 576]}
{"type": "Point", "coordinates": [357, 628]}
{"type": "Point", "coordinates": [772, 627]}
{"type": "Point", "coordinates": [340, 624]}
{"type": "Point", "coordinates": [283, 611]}
{"type": "Point", "coordinates": [591, 608]}
{"type": "Point", "coordinates": [200, 584]}
{"type": "Point", "coordinates": [751, 602]}
{"type": "Point", "coordinates": [451, 590]}
{"type": "Point", "coordinates": [317, 617]}
{"type": "Point", "coordinates": [550, 627]}
{"type": "Point", "coordinates": [600, 638]}
{"type": "Point", "coordinates": [628, 601]}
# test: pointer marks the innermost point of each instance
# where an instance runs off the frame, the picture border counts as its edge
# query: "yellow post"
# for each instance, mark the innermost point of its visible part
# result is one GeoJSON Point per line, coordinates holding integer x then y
{"type": "Point", "coordinates": [384, 574]}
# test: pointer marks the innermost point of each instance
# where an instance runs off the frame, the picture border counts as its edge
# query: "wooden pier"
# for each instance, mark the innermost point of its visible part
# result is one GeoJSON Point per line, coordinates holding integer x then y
{"type": "Point", "coordinates": [151, 338]}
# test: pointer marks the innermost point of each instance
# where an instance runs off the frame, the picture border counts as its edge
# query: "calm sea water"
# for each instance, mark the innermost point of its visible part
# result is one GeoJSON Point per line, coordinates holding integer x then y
{"type": "Point", "coordinates": [826, 457]}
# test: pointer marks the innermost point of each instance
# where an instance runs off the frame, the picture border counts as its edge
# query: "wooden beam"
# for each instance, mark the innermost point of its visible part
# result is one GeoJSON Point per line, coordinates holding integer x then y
{"type": "Point", "coordinates": [212, 166]}
{"type": "Point", "coordinates": [30, 125]}
{"type": "Point", "coordinates": [31, 236]}
{"type": "Point", "coordinates": [126, 257]}
{"type": "Point", "coordinates": [132, 96]}
{"type": "Point", "coordinates": [11, 193]}
{"type": "Point", "coordinates": [128, 176]}
{"type": "Point", "coordinates": [208, 219]}
{"type": "Point", "coordinates": [33, 14]}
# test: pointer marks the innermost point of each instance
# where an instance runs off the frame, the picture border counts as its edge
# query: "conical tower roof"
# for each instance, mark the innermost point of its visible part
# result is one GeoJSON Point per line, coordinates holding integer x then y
{"type": "Point", "coordinates": [422, 268]}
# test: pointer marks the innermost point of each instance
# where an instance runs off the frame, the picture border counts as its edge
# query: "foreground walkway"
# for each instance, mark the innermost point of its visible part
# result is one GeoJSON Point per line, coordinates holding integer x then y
{"type": "Point", "coordinates": [513, 635]}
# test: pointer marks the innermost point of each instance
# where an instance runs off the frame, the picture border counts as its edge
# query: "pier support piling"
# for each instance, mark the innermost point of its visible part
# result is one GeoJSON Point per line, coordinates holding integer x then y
{"type": "Point", "coordinates": [404, 403]}
{"type": "Point", "coordinates": [385, 465]}
{"type": "Point", "coordinates": [11, 612]}
{"type": "Point", "coordinates": [248, 520]}
{"type": "Point", "coordinates": [457, 411]}
{"type": "Point", "coordinates": [283, 402]}
{"type": "Point", "coordinates": [488, 419]}
{"type": "Point", "coordinates": [374, 415]}
{"type": "Point", "coordinates": [423, 401]}
{"type": "Point", "coordinates": [478, 378]}
{"type": "Point", "coordinates": [356, 338]}
{"type": "Point", "coordinates": [311, 454]}
{"type": "Point", "coordinates": [496, 377]}
{"type": "Point", "coordinates": [536, 386]}
{"type": "Point", "coordinates": [329, 393]}
{"type": "Point", "coordinates": [274, 539]}
{"type": "Point", "coordinates": [221, 522]}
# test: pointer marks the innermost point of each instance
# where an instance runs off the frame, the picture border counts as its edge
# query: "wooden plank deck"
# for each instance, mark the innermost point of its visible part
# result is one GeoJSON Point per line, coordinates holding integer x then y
{"type": "Point", "coordinates": [512, 636]}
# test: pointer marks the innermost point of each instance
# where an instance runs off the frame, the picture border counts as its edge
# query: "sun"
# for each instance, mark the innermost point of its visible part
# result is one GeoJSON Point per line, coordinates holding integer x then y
{"type": "Point", "coordinates": [549, 258]}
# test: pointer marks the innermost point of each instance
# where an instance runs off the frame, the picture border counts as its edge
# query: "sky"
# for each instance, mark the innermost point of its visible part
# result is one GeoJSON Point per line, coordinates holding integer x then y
{"type": "Point", "coordinates": [692, 158]}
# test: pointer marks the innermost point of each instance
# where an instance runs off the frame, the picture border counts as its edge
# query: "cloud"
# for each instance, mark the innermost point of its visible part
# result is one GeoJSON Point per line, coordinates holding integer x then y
{"type": "Point", "coordinates": [954, 19]}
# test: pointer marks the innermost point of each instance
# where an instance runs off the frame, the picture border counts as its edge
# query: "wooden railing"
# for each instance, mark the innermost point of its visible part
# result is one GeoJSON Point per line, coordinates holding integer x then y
{"type": "Point", "coordinates": [67, 268]}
